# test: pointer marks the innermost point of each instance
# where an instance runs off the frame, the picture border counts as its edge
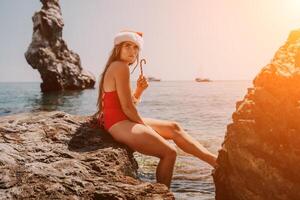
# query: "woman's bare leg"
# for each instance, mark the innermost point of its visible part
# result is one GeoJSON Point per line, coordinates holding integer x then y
{"type": "Point", "coordinates": [146, 141]}
{"type": "Point", "coordinates": [172, 130]}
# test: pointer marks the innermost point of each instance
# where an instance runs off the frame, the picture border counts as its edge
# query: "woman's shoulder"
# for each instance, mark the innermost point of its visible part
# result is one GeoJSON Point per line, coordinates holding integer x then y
{"type": "Point", "coordinates": [119, 67]}
{"type": "Point", "coordinates": [117, 63]}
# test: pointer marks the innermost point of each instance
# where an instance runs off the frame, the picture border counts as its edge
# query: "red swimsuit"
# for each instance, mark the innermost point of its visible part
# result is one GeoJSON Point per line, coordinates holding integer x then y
{"type": "Point", "coordinates": [112, 110]}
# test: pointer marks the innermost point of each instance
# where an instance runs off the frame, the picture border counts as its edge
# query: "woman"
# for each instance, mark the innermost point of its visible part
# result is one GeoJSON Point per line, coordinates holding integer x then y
{"type": "Point", "coordinates": [119, 116]}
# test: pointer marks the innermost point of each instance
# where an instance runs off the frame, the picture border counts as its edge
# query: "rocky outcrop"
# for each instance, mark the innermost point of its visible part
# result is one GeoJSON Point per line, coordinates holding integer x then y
{"type": "Point", "coordinates": [60, 68]}
{"type": "Point", "coordinates": [260, 156]}
{"type": "Point", "coordinates": [54, 155]}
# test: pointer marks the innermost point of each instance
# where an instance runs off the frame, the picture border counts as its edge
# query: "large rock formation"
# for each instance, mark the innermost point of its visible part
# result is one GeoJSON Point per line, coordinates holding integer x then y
{"type": "Point", "coordinates": [260, 157]}
{"type": "Point", "coordinates": [54, 155]}
{"type": "Point", "coordinates": [60, 68]}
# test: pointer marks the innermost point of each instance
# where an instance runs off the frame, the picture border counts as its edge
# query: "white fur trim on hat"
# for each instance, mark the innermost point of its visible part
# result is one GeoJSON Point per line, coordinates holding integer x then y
{"type": "Point", "coordinates": [129, 36]}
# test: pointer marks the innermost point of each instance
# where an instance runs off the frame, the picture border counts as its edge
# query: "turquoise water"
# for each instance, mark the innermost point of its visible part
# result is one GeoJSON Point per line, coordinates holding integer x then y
{"type": "Point", "coordinates": [203, 109]}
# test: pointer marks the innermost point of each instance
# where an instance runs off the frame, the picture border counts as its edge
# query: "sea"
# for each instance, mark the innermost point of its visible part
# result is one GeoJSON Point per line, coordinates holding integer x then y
{"type": "Point", "coordinates": [203, 109]}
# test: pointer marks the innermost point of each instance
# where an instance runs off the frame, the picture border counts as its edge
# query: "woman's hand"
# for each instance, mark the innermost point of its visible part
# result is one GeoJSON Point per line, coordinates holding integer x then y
{"type": "Point", "coordinates": [142, 84]}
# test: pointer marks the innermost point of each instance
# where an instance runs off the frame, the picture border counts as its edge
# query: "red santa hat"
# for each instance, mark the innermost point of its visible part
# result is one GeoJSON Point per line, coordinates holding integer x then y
{"type": "Point", "coordinates": [132, 36]}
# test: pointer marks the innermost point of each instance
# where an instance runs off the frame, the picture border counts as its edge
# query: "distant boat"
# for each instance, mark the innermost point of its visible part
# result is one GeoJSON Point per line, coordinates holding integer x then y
{"type": "Point", "coordinates": [151, 78]}
{"type": "Point", "coordinates": [202, 80]}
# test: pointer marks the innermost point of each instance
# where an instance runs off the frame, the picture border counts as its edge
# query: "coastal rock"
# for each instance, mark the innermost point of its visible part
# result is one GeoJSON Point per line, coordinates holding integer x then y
{"type": "Point", "coordinates": [60, 68]}
{"type": "Point", "coordinates": [260, 156]}
{"type": "Point", "coordinates": [54, 155]}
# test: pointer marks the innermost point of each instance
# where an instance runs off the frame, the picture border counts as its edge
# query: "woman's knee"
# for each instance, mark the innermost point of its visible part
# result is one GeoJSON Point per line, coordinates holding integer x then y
{"type": "Point", "coordinates": [177, 130]}
{"type": "Point", "coordinates": [175, 126]}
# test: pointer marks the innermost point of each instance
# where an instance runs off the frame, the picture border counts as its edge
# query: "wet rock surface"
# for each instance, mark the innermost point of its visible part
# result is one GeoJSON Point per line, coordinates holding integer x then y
{"type": "Point", "coordinates": [260, 156]}
{"type": "Point", "coordinates": [54, 155]}
{"type": "Point", "coordinates": [60, 68]}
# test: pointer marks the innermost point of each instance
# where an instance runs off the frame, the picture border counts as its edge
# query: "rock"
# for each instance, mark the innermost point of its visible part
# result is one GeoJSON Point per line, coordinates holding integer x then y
{"type": "Point", "coordinates": [54, 155]}
{"type": "Point", "coordinates": [60, 68]}
{"type": "Point", "coordinates": [293, 36]}
{"type": "Point", "coordinates": [260, 156]}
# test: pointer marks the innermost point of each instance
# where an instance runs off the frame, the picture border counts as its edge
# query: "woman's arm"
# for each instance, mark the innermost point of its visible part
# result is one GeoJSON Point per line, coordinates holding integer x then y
{"type": "Point", "coordinates": [141, 86]}
{"type": "Point", "coordinates": [136, 97]}
{"type": "Point", "coordinates": [122, 78]}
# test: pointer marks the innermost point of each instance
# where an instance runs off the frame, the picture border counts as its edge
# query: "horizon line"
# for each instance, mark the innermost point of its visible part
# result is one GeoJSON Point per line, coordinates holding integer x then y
{"type": "Point", "coordinates": [135, 80]}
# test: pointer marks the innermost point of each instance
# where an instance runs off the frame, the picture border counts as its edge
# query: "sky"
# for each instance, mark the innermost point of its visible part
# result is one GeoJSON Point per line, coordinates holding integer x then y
{"type": "Point", "coordinates": [183, 39]}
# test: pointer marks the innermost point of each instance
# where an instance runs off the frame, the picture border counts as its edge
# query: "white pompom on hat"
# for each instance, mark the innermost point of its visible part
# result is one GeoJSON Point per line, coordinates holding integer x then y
{"type": "Point", "coordinates": [132, 36]}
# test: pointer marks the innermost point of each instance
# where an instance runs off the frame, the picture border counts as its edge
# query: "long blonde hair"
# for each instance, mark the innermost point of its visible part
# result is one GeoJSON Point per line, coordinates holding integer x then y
{"type": "Point", "coordinates": [114, 56]}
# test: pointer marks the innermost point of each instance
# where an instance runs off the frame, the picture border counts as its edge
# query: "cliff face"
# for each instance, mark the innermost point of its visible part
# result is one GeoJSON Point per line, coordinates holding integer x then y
{"type": "Point", "coordinates": [54, 155]}
{"type": "Point", "coordinates": [60, 68]}
{"type": "Point", "coordinates": [260, 156]}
